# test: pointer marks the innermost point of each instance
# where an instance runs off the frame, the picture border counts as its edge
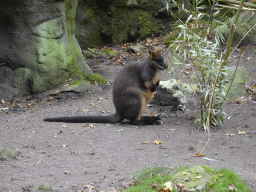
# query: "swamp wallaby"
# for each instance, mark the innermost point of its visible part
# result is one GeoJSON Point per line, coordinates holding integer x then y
{"type": "Point", "coordinates": [133, 88]}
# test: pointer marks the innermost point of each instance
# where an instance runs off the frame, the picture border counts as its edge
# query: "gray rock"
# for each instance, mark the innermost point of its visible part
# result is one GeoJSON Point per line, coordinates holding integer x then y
{"type": "Point", "coordinates": [199, 179]}
{"type": "Point", "coordinates": [38, 50]}
{"type": "Point", "coordinates": [245, 25]}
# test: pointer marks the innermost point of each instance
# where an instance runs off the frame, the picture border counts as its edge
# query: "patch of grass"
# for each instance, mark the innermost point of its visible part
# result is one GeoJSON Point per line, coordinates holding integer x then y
{"type": "Point", "coordinates": [97, 78]}
{"type": "Point", "coordinates": [4, 154]}
{"type": "Point", "coordinates": [45, 188]}
{"type": "Point", "coordinates": [220, 180]}
{"type": "Point", "coordinates": [225, 177]}
{"type": "Point", "coordinates": [159, 175]}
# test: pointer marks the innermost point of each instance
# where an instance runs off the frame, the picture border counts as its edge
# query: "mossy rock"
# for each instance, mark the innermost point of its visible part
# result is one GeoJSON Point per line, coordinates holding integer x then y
{"type": "Point", "coordinates": [113, 22]}
{"type": "Point", "coordinates": [244, 25]}
{"type": "Point", "coordinates": [81, 86]}
{"type": "Point", "coordinates": [238, 86]}
{"type": "Point", "coordinates": [194, 179]}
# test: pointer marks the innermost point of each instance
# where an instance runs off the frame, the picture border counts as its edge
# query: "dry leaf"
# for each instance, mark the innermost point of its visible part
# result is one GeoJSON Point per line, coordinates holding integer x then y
{"type": "Point", "coordinates": [46, 146]}
{"type": "Point", "coordinates": [30, 105]}
{"type": "Point", "coordinates": [198, 177]}
{"type": "Point", "coordinates": [184, 173]}
{"type": "Point", "coordinates": [187, 179]}
{"type": "Point", "coordinates": [191, 148]}
{"type": "Point", "coordinates": [241, 132]}
{"type": "Point", "coordinates": [145, 142]}
{"type": "Point", "coordinates": [199, 154]}
{"type": "Point", "coordinates": [168, 186]}
{"type": "Point", "coordinates": [231, 135]}
{"type": "Point", "coordinates": [39, 162]}
{"type": "Point", "coordinates": [2, 101]}
{"type": "Point", "coordinates": [91, 104]}
{"type": "Point", "coordinates": [64, 145]}
{"type": "Point", "coordinates": [154, 186]}
{"type": "Point", "coordinates": [14, 114]}
{"type": "Point", "coordinates": [179, 185]}
{"type": "Point", "coordinates": [64, 126]}
{"type": "Point", "coordinates": [55, 134]}
{"type": "Point", "coordinates": [92, 126]}
{"type": "Point", "coordinates": [220, 174]}
{"type": "Point", "coordinates": [24, 117]}
{"type": "Point", "coordinates": [85, 110]}
{"type": "Point", "coordinates": [231, 187]}
{"type": "Point", "coordinates": [11, 179]}
{"type": "Point", "coordinates": [26, 160]}
{"type": "Point", "coordinates": [89, 186]}
{"type": "Point", "coordinates": [246, 125]}
{"type": "Point", "coordinates": [157, 142]}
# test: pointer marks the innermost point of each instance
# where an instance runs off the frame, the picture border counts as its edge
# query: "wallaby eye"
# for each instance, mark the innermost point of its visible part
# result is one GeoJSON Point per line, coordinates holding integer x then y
{"type": "Point", "coordinates": [158, 60]}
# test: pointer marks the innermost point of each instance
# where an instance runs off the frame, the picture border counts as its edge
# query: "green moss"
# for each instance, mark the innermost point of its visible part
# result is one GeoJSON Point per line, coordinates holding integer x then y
{"type": "Point", "coordinates": [108, 53]}
{"type": "Point", "coordinates": [97, 78]}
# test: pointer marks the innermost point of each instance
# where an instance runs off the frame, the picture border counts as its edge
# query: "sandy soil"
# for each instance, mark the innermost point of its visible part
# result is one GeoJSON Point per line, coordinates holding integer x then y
{"type": "Point", "coordinates": [72, 157]}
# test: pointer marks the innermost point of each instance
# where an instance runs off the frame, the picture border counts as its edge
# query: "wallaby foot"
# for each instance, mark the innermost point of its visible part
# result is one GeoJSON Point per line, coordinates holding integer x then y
{"type": "Point", "coordinates": [147, 120]}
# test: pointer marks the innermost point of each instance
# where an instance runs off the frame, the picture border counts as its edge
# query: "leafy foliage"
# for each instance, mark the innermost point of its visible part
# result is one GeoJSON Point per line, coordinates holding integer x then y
{"type": "Point", "coordinates": [195, 47]}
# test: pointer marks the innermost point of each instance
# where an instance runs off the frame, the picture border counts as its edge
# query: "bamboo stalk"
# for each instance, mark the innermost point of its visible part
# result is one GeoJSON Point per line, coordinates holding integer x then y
{"type": "Point", "coordinates": [230, 38]}
{"type": "Point", "coordinates": [217, 79]}
{"type": "Point", "coordinates": [236, 7]}
{"type": "Point", "coordinates": [238, 2]}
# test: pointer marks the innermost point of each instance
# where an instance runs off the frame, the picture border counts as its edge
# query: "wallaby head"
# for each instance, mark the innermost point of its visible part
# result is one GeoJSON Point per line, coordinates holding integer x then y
{"type": "Point", "coordinates": [156, 59]}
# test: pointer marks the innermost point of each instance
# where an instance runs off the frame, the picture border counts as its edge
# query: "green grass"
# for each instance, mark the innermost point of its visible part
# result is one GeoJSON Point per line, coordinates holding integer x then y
{"type": "Point", "coordinates": [4, 154]}
{"type": "Point", "coordinates": [45, 188]}
{"type": "Point", "coordinates": [223, 178]}
{"type": "Point", "coordinates": [220, 179]}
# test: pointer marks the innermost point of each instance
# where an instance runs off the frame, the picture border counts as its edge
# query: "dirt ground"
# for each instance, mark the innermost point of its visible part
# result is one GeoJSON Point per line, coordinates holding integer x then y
{"type": "Point", "coordinates": [98, 157]}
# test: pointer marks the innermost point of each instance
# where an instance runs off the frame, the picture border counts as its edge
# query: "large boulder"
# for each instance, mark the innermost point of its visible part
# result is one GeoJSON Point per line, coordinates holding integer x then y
{"type": "Point", "coordinates": [38, 50]}
{"type": "Point", "coordinates": [102, 22]}
{"type": "Point", "coordinates": [244, 31]}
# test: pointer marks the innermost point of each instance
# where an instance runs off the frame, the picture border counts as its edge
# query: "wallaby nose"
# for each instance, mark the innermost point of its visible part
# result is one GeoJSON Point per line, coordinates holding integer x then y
{"type": "Point", "coordinates": [165, 65]}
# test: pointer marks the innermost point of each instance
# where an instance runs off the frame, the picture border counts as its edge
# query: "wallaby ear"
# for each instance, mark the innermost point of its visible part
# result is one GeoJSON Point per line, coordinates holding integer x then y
{"type": "Point", "coordinates": [152, 54]}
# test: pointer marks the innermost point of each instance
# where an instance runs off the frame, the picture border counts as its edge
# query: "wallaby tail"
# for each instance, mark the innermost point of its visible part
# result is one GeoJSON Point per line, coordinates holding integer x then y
{"type": "Point", "coordinates": [85, 119]}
